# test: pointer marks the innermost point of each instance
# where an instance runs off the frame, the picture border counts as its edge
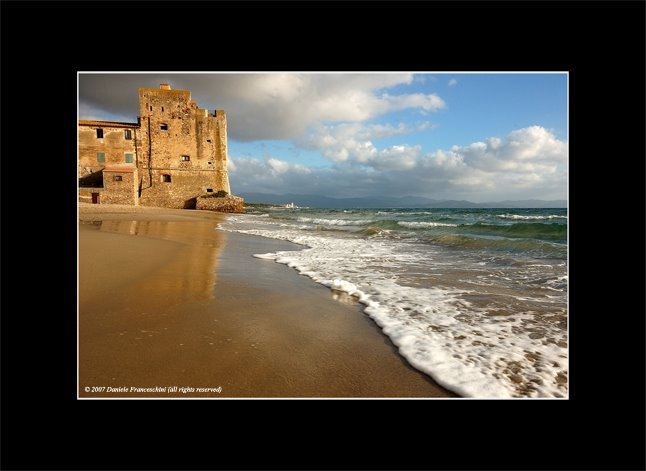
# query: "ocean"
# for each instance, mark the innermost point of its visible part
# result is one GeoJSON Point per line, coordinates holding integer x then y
{"type": "Point", "coordinates": [475, 298]}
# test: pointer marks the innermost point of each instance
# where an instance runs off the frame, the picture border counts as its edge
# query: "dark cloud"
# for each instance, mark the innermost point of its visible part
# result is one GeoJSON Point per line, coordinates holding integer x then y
{"type": "Point", "coordinates": [260, 106]}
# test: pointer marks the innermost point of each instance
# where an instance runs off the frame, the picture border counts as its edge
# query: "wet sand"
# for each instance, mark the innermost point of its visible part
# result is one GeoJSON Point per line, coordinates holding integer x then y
{"type": "Point", "coordinates": [166, 300]}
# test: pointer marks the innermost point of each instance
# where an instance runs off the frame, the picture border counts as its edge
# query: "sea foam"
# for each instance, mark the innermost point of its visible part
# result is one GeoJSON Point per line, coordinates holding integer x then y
{"type": "Point", "coordinates": [467, 348]}
{"type": "Point", "coordinates": [530, 217]}
{"type": "Point", "coordinates": [424, 224]}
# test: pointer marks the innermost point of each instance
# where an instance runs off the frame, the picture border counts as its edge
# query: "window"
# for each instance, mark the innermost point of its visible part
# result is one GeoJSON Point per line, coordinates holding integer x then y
{"type": "Point", "coordinates": [210, 163]}
{"type": "Point", "coordinates": [162, 109]}
{"type": "Point", "coordinates": [163, 127]}
{"type": "Point", "coordinates": [128, 157]}
{"type": "Point", "coordinates": [208, 140]}
{"type": "Point", "coordinates": [151, 108]}
{"type": "Point", "coordinates": [99, 133]}
{"type": "Point", "coordinates": [128, 134]}
{"type": "Point", "coordinates": [209, 190]}
{"type": "Point", "coordinates": [185, 158]}
{"type": "Point", "coordinates": [117, 178]}
{"type": "Point", "coordinates": [100, 156]}
{"type": "Point", "coordinates": [166, 178]}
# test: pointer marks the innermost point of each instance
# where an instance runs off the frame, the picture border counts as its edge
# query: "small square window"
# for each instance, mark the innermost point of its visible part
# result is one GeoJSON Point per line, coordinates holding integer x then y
{"type": "Point", "coordinates": [208, 140]}
{"type": "Point", "coordinates": [99, 133]}
{"type": "Point", "coordinates": [163, 127]}
{"type": "Point", "coordinates": [210, 163]}
{"type": "Point", "coordinates": [185, 158]}
{"type": "Point", "coordinates": [209, 190]}
{"type": "Point", "coordinates": [128, 134]}
{"type": "Point", "coordinates": [166, 178]}
{"type": "Point", "coordinates": [128, 156]}
{"type": "Point", "coordinates": [100, 156]}
{"type": "Point", "coordinates": [117, 178]}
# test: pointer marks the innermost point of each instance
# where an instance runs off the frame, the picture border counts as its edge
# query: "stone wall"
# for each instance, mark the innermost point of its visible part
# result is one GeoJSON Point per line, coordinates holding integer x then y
{"type": "Point", "coordinates": [221, 151]}
{"type": "Point", "coordinates": [85, 194]}
{"type": "Point", "coordinates": [113, 145]}
{"type": "Point", "coordinates": [228, 204]}
{"type": "Point", "coordinates": [119, 186]}
{"type": "Point", "coordinates": [180, 192]}
{"type": "Point", "coordinates": [183, 141]}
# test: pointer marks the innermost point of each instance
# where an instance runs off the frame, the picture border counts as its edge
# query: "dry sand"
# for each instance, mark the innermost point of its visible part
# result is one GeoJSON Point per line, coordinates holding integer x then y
{"type": "Point", "coordinates": [166, 300]}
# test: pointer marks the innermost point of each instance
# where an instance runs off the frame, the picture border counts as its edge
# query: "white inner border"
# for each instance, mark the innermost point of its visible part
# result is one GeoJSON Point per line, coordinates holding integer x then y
{"type": "Point", "coordinates": [567, 74]}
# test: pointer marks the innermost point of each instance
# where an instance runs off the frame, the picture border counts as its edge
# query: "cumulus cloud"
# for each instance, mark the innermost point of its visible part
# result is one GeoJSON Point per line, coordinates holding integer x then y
{"type": "Point", "coordinates": [272, 175]}
{"type": "Point", "coordinates": [264, 106]}
{"type": "Point", "coordinates": [430, 102]}
{"type": "Point", "coordinates": [526, 163]}
{"type": "Point", "coordinates": [353, 143]}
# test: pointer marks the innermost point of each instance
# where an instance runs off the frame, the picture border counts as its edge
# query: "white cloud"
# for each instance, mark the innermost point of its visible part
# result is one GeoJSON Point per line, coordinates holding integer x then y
{"type": "Point", "coordinates": [453, 82]}
{"type": "Point", "coordinates": [529, 150]}
{"type": "Point", "coordinates": [279, 167]}
{"type": "Point", "coordinates": [399, 158]}
{"type": "Point", "coordinates": [273, 175]}
{"type": "Point", "coordinates": [525, 160]}
{"type": "Point", "coordinates": [353, 143]}
{"type": "Point", "coordinates": [527, 163]}
{"type": "Point", "coordinates": [424, 78]}
{"type": "Point", "coordinates": [430, 102]}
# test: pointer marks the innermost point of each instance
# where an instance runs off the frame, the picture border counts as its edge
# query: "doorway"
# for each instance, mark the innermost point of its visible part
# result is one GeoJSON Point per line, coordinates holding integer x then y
{"type": "Point", "coordinates": [95, 198]}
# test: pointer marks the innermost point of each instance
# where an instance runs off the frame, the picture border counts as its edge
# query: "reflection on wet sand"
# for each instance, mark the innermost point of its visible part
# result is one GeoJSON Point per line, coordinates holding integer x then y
{"type": "Point", "coordinates": [144, 291]}
{"type": "Point", "coordinates": [151, 315]}
{"type": "Point", "coordinates": [190, 276]}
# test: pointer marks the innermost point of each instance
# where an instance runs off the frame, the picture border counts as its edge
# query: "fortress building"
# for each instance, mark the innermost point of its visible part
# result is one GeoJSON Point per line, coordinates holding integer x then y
{"type": "Point", "coordinates": [174, 156]}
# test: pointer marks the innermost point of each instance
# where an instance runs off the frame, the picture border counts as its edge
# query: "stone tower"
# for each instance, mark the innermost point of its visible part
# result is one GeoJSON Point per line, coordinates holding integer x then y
{"type": "Point", "coordinates": [183, 149]}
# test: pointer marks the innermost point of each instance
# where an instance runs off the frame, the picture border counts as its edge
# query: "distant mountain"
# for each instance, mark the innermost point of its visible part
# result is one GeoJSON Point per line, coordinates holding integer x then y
{"type": "Point", "coordinates": [527, 204]}
{"type": "Point", "coordinates": [316, 201]}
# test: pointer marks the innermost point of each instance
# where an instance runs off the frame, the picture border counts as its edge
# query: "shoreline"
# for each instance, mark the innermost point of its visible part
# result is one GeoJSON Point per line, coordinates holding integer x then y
{"type": "Point", "coordinates": [166, 300]}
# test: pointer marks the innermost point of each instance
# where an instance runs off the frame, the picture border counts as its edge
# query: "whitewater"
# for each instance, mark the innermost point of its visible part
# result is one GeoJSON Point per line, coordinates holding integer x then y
{"type": "Point", "coordinates": [475, 298]}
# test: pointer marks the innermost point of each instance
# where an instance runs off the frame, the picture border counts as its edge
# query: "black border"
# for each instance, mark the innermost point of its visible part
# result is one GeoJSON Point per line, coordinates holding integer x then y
{"type": "Point", "coordinates": [601, 44]}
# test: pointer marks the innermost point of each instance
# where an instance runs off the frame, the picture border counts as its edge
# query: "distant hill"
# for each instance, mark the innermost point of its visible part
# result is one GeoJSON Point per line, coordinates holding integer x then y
{"type": "Point", "coordinates": [316, 201]}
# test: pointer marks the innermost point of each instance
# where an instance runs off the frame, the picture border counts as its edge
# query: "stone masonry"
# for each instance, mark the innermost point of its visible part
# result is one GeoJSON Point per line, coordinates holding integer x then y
{"type": "Point", "coordinates": [175, 153]}
{"type": "Point", "coordinates": [227, 204]}
{"type": "Point", "coordinates": [119, 185]}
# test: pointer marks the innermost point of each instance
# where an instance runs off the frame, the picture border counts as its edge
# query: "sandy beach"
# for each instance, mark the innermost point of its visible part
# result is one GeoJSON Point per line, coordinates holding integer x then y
{"type": "Point", "coordinates": [171, 306]}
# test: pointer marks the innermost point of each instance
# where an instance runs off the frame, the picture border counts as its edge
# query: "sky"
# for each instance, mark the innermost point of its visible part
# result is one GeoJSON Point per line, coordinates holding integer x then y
{"type": "Point", "coordinates": [477, 137]}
